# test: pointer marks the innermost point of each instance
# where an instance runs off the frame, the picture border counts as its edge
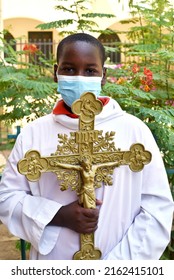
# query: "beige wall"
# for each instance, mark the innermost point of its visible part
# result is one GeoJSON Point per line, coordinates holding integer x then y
{"type": "Point", "coordinates": [23, 15]}
{"type": "Point", "coordinates": [20, 26]}
{"type": "Point", "coordinates": [118, 27]}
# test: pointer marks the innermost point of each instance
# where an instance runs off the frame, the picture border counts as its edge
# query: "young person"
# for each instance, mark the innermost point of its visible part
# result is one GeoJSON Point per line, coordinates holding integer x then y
{"type": "Point", "coordinates": [133, 217]}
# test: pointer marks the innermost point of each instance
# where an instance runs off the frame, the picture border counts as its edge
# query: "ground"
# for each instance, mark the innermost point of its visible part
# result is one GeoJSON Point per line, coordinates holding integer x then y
{"type": "Point", "coordinates": [8, 249]}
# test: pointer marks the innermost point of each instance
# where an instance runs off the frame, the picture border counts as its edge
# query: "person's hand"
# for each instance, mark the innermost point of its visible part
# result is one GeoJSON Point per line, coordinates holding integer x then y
{"type": "Point", "coordinates": [77, 218]}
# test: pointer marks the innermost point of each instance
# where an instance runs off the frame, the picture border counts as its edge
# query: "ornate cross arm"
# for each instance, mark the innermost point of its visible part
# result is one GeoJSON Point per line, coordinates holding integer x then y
{"type": "Point", "coordinates": [33, 164]}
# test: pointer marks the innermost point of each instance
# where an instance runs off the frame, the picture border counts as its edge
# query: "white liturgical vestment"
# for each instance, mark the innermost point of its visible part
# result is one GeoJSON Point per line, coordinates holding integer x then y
{"type": "Point", "coordinates": [136, 214]}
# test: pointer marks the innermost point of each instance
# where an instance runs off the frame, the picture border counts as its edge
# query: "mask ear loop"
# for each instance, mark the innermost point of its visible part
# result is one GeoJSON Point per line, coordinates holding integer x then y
{"type": "Point", "coordinates": [55, 73]}
{"type": "Point", "coordinates": [103, 81]}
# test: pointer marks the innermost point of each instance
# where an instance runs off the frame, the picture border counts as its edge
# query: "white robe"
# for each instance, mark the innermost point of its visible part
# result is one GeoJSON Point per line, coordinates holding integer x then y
{"type": "Point", "coordinates": [136, 214]}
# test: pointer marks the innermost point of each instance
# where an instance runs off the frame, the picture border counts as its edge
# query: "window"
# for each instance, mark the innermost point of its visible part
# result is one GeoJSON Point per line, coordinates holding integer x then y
{"type": "Point", "coordinates": [111, 40]}
{"type": "Point", "coordinates": [43, 41]}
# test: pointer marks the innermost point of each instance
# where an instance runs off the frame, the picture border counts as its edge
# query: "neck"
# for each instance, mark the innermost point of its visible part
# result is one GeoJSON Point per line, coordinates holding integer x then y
{"type": "Point", "coordinates": [68, 108]}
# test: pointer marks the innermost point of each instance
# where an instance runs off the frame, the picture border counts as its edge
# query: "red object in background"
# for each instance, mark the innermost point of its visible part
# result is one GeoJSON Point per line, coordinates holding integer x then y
{"type": "Point", "coordinates": [135, 68]}
{"type": "Point", "coordinates": [30, 48]}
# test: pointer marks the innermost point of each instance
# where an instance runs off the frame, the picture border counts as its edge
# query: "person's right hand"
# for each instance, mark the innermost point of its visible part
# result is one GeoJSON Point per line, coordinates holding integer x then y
{"type": "Point", "coordinates": [77, 218]}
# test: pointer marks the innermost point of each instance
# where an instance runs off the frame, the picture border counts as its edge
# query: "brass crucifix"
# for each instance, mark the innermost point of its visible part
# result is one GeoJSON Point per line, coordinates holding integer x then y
{"type": "Point", "coordinates": [83, 161]}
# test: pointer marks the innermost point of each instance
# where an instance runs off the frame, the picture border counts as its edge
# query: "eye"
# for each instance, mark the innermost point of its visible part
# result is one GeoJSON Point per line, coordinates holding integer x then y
{"type": "Point", "coordinates": [66, 70]}
{"type": "Point", "coordinates": [91, 72]}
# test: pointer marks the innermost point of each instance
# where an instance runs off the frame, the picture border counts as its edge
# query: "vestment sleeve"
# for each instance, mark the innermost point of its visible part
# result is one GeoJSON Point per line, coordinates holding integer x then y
{"type": "Point", "coordinates": [25, 215]}
{"type": "Point", "coordinates": [149, 233]}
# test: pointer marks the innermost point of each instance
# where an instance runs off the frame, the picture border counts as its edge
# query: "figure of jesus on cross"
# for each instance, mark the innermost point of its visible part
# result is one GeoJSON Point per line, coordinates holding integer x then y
{"type": "Point", "coordinates": [87, 172]}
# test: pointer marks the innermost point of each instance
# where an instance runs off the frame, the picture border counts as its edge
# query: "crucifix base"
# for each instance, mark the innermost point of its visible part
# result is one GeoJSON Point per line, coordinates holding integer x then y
{"type": "Point", "coordinates": [87, 251]}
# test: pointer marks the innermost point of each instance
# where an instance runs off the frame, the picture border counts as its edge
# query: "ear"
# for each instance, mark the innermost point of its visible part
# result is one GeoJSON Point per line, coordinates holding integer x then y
{"type": "Point", "coordinates": [103, 82]}
{"type": "Point", "coordinates": [55, 73]}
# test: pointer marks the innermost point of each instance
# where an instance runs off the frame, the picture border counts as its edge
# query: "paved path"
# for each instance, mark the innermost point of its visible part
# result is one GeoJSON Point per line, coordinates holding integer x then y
{"type": "Point", "coordinates": [8, 249]}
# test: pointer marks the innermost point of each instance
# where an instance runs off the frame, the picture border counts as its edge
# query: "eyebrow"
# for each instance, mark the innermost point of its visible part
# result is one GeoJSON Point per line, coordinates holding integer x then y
{"type": "Point", "coordinates": [71, 63]}
{"type": "Point", "coordinates": [92, 64]}
{"type": "Point", "coordinates": [67, 63]}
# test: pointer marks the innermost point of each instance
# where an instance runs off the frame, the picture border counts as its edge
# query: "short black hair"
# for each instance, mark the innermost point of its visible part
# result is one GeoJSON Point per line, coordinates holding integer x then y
{"type": "Point", "coordinates": [82, 37]}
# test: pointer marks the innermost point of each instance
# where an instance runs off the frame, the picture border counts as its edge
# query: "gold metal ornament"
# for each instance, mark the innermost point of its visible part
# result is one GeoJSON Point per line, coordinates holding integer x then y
{"type": "Point", "coordinates": [83, 161]}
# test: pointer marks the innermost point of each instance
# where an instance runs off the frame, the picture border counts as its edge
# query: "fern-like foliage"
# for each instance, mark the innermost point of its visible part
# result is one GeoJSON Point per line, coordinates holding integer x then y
{"type": "Point", "coordinates": [22, 95]}
{"type": "Point", "coordinates": [25, 92]}
{"type": "Point", "coordinates": [77, 18]}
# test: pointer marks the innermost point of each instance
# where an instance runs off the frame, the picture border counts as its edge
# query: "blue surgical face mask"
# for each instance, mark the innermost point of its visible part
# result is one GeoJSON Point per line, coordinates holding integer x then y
{"type": "Point", "coordinates": [72, 87]}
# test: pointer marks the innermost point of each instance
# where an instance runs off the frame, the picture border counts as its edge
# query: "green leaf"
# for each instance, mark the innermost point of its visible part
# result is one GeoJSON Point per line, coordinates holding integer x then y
{"type": "Point", "coordinates": [55, 24]}
{"type": "Point", "coordinates": [64, 9]}
{"type": "Point", "coordinates": [100, 15]}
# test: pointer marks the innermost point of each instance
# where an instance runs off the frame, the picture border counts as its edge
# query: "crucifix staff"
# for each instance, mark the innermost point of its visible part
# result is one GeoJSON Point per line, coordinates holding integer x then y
{"type": "Point", "coordinates": [83, 161]}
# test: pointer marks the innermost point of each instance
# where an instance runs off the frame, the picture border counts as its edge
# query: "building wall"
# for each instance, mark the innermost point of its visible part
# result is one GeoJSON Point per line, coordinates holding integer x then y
{"type": "Point", "coordinates": [21, 15]}
{"type": "Point", "coordinates": [44, 11]}
{"type": "Point", "coordinates": [19, 27]}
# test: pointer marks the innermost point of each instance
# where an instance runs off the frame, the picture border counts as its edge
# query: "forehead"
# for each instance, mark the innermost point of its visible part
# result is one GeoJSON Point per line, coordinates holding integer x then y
{"type": "Point", "coordinates": [80, 52]}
